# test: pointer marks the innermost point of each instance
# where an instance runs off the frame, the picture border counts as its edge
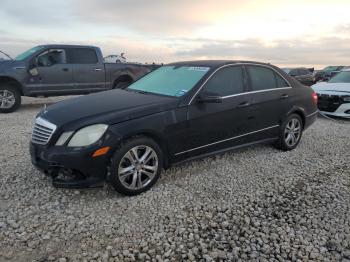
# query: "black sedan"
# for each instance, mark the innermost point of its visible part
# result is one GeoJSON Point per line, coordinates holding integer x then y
{"type": "Point", "coordinates": [179, 112]}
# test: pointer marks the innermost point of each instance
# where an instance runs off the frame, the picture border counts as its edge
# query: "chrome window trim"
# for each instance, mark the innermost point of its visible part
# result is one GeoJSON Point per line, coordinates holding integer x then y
{"type": "Point", "coordinates": [250, 92]}
{"type": "Point", "coordinates": [259, 91]}
{"type": "Point", "coordinates": [228, 139]}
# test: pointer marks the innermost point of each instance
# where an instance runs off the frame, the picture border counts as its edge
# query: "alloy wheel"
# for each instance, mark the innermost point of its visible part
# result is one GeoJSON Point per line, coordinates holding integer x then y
{"type": "Point", "coordinates": [7, 99]}
{"type": "Point", "coordinates": [138, 167]}
{"type": "Point", "coordinates": [292, 132]}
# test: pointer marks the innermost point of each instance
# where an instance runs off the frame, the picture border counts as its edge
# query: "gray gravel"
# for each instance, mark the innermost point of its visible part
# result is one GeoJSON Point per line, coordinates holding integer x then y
{"type": "Point", "coordinates": [253, 204]}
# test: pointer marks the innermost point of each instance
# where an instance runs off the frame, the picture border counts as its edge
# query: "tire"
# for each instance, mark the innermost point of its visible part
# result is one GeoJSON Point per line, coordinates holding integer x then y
{"type": "Point", "coordinates": [290, 133]}
{"type": "Point", "coordinates": [10, 99]}
{"type": "Point", "coordinates": [129, 176]}
{"type": "Point", "coordinates": [121, 85]}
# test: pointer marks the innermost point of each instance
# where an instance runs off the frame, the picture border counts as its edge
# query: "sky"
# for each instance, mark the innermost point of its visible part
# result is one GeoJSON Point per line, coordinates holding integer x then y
{"type": "Point", "coordinates": [312, 33]}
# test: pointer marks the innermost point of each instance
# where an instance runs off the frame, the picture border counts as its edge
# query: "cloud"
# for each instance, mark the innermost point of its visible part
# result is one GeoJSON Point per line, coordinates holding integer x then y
{"type": "Point", "coordinates": [320, 51]}
{"type": "Point", "coordinates": [37, 12]}
{"type": "Point", "coordinates": [155, 16]}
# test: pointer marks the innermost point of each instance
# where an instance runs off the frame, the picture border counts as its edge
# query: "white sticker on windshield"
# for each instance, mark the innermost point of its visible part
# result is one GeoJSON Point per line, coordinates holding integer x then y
{"type": "Point", "coordinates": [181, 92]}
{"type": "Point", "coordinates": [199, 68]}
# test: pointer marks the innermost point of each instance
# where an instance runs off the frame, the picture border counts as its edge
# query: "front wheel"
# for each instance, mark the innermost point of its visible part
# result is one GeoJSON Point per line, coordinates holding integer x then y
{"type": "Point", "coordinates": [10, 99]}
{"type": "Point", "coordinates": [291, 133]}
{"type": "Point", "coordinates": [136, 166]}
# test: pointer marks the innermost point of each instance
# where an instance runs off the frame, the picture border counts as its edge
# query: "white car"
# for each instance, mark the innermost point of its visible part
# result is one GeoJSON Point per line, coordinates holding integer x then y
{"type": "Point", "coordinates": [334, 95]}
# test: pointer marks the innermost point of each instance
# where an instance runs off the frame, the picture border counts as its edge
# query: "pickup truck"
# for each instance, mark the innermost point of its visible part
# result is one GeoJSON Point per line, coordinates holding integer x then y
{"type": "Point", "coordinates": [55, 70]}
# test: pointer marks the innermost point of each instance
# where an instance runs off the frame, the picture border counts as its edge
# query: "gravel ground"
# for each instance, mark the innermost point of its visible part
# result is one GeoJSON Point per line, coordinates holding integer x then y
{"type": "Point", "coordinates": [256, 204]}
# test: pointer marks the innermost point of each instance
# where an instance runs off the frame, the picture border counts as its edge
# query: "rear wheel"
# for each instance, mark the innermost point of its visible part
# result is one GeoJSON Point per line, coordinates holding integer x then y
{"type": "Point", "coordinates": [291, 132]}
{"type": "Point", "coordinates": [10, 99]}
{"type": "Point", "coordinates": [122, 84]}
{"type": "Point", "coordinates": [136, 166]}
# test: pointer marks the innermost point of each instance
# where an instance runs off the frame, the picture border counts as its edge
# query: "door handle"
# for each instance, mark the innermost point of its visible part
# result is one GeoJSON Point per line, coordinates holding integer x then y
{"type": "Point", "coordinates": [244, 104]}
{"type": "Point", "coordinates": [65, 69]}
{"type": "Point", "coordinates": [98, 69]}
{"type": "Point", "coordinates": [284, 96]}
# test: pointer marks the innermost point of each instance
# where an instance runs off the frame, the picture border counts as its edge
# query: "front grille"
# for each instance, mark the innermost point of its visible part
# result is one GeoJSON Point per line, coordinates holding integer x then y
{"type": "Point", "coordinates": [42, 131]}
{"type": "Point", "coordinates": [328, 103]}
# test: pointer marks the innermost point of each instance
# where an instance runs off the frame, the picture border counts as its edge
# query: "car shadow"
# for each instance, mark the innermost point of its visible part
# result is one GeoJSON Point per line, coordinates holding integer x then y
{"type": "Point", "coordinates": [38, 105]}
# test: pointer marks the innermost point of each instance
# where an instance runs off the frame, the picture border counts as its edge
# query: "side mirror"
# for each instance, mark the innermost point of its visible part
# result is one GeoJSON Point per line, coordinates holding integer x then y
{"type": "Point", "coordinates": [33, 71]}
{"type": "Point", "coordinates": [209, 99]}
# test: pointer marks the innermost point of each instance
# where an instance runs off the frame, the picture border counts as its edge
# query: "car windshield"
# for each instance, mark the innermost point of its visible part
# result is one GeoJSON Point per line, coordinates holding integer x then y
{"type": "Point", "coordinates": [330, 68]}
{"type": "Point", "coordinates": [27, 53]}
{"type": "Point", "coordinates": [341, 77]}
{"type": "Point", "coordinates": [170, 80]}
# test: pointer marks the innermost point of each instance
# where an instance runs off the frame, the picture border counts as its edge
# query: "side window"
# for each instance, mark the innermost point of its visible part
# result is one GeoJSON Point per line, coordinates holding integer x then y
{"type": "Point", "coordinates": [51, 57]}
{"type": "Point", "coordinates": [280, 81]}
{"type": "Point", "coordinates": [227, 81]}
{"type": "Point", "coordinates": [82, 56]}
{"type": "Point", "coordinates": [261, 78]}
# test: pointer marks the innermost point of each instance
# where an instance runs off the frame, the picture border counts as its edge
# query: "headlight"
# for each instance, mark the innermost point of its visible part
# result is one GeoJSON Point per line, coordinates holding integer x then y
{"type": "Point", "coordinates": [63, 138]}
{"type": "Point", "coordinates": [83, 137]}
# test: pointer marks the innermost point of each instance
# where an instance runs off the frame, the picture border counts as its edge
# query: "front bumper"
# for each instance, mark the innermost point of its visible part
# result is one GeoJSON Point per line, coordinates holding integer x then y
{"type": "Point", "coordinates": [333, 105]}
{"type": "Point", "coordinates": [342, 111]}
{"type": "Point", "coordinates": [85, 170]}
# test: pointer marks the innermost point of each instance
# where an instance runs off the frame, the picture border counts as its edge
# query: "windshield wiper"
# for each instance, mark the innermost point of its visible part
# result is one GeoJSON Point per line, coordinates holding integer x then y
{"type": "Point", "coordinates": [137, 91]}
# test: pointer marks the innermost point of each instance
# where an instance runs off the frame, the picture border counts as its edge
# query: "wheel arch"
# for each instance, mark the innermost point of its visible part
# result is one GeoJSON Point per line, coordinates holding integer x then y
{"type": "Point", "coordinates": [300, 112]}
{"type": "Point", "coordinates": [123, 78]}
{"type": "Point", "coordinates": [154, 136]}
{"type": "Point", "coordinates": [13, 82]}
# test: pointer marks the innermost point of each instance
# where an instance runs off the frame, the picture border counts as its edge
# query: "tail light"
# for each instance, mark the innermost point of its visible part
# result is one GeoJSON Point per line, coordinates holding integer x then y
{"type": "Point", "coordinates": [314, 98]}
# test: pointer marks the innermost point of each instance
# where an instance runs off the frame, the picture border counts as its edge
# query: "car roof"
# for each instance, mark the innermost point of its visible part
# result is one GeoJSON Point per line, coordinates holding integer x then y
{"type": "Point", "coordinates": [214, 63]}
{"type": "Point", "coordinates": [67, 46]}
{"type": "Point", "coordinates": [293, 68]}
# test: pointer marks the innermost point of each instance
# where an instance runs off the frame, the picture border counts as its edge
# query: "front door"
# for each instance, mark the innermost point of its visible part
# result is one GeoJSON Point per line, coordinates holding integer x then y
{"type": "Point", "coordinates": [220, 124]}
{"type": "Point", "coordinates": [54, 76]}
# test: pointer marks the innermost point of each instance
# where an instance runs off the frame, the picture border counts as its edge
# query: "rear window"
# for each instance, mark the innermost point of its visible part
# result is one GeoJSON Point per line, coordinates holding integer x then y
{"type": "Point", "coordinates": [303, 72]}
{"type": "Point", "coordinates": [82, 56]}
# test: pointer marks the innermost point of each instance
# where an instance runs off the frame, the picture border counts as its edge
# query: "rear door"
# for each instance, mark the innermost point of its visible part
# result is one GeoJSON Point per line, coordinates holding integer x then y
{"type": "Point", "coordinates": [215, 126]}
{"type": "Point", "coordinates": [88, 70]}
{"type": "Point", "coordinates": [270, 100]}
{"type": "Point", "coordinates": [55, 75]}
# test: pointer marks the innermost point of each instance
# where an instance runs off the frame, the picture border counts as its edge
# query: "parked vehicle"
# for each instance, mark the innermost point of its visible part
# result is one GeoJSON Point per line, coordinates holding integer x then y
{"type": "Point", "coordinates": [179, 112]}
{"type": "Point", "coordinates": [334, 95]}
{"type": "Point", "coordinates": [303, 75]}
{"type": "Point", "coordinates": [326, 73]}
{"type": "Point", "coordinates": [51, 70]}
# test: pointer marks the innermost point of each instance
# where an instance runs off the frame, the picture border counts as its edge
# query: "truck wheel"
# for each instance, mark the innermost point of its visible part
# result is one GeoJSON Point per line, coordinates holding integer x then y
{"type": "Point", "coordinates": [10, 99]}
{"type": "Point", "coordinates": [136, 166]}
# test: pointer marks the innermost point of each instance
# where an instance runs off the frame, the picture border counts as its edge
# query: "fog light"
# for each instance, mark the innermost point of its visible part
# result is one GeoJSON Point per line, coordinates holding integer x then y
{"type": "Point", "coordinates": [101, 151]}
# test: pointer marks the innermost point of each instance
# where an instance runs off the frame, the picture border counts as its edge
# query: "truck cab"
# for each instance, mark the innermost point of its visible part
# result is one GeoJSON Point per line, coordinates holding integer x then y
{"type": "Point", "coordinates": [53, 70]}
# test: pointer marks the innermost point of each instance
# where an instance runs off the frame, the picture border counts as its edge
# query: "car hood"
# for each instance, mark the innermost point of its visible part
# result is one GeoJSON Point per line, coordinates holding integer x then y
{"type": "Point", "coordinates": [332, 88]}
{"type": "Point", "coordinates": [9, 64]}
{"type": "Point", "coordinates": [110, 107]}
